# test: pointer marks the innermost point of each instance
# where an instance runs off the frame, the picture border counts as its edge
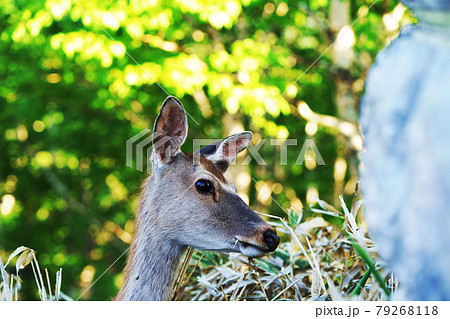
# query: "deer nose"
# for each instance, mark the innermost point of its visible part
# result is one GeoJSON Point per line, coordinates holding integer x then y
{"type": "Point", "coordinates": [271, 239]}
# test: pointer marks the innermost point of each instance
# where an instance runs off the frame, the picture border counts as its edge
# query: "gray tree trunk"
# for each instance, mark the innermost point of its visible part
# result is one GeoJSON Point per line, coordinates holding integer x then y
{"type": "Point", "coordinates": [405, 116]}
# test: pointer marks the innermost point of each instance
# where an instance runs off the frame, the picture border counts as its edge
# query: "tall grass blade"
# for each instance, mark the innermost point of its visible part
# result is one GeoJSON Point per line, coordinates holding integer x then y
{"type": "Point", "coordinates": [371, 265]}
{"type": "Point", "coordinates": [58, 284]}
{"type": "Point", "coordinates": [6, 290]}
{"type": "Point", "coordinates": [48, 285]}
{"type": "Point", "coordinates": [37, 281]}
{"type": "Point", "coordinates": [361, 283]}
{"type": "Point", "coordinates": [41, 280]}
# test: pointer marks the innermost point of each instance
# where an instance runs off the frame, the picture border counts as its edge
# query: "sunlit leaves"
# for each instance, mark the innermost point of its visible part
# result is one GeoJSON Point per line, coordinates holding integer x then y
{"type": "Point", "coordinates": [43, 159]}
{"type": "Point", "coordinates": [184, 73]}
{"type": "Point", "coordinates": [118, 190]}
{"type": "Point", "coordinates": [58, 8]}
{"type": "Point", "coordinates": [218, 14]}
{"type": "Point", "coordinates": [88, 45]}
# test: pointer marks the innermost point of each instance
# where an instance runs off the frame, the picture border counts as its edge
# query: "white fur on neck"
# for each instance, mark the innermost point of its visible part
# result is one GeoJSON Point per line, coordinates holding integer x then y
{"type": "Point", "coordinates": [154, 266]}
{"type": "Point", "coordinates": [153, 259]}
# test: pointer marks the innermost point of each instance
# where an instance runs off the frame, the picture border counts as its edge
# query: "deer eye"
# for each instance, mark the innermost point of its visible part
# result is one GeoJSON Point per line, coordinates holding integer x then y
{"type": "Point", "coordinates": [204, 186]}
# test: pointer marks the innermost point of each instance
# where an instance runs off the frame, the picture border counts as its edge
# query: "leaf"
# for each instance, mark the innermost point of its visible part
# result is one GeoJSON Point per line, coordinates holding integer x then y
{"type": "Point", "coordinates": [227, 272]}
{"type": "Point", "coordinates": [333, 290]}
{"type": "Point", "coordinates": [310, 224]}
{"type": "Point", "coordinates": [285, 257]}
{"type": "Point", "coordinates": [25, 258]}
{"type": "Point", "coordinates": [327, 206]}
{"type": "Point", "coordinates": [211, 289]}
{"type": "Point", "coordinates": [286, 270]}
{"type": "Point", "coordinates": [15, 253]}
{"type": "Point", "coordinates": [239, 284]}
{"type": "Point", "coordinates": [302, 264]}
{"type": "Point", "coordinates": [267, 266]}
{"type": "Point", "coordinates": [324, 212]}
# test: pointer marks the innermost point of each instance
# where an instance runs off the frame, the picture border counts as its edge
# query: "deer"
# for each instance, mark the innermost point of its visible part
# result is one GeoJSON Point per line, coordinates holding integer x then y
{"type": "Point", "coordinates": [187, 201]}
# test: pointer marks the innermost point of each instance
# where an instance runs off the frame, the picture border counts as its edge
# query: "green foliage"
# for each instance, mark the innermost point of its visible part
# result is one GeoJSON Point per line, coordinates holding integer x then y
{"type": "Point", "coordinates": [70, 97]}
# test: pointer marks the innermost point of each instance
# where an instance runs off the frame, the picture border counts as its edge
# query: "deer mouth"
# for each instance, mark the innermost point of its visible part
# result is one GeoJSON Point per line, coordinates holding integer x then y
{"type": "Point", "coordinates": [250, 249]}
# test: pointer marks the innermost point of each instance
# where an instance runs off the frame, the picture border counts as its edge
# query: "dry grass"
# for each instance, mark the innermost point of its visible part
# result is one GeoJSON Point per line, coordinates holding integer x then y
{"type": "Point", "coordinates": [11, 283]}
{"type": "Point", "coordinates": [328, 256]}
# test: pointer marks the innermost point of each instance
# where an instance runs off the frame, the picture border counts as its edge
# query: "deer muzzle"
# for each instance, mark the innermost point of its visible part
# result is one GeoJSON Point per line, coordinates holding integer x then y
{"type": "Point", "coordinates": [265, 243]}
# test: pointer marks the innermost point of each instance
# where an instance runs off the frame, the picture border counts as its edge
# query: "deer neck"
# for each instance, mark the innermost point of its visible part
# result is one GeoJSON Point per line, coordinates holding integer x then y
{"type": "Point", "coordinates": [153, 260]}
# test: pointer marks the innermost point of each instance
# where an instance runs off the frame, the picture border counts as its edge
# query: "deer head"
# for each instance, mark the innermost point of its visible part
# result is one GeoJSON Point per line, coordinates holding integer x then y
{"type": "Point", "coordinates": [197, 205]}
{"type": "Point", "coordinates": [188, 202]}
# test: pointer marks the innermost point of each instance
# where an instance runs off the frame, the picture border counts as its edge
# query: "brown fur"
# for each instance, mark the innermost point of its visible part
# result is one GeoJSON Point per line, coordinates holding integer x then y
{"type": "Point", "coordinates": [208, 166]}
{"type": "Point", "coordinates": [174, 214]}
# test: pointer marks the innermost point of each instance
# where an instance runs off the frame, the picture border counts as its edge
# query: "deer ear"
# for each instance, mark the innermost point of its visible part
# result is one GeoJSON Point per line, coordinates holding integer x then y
{"type": "Point", "coordinates": [224, 152]}
{"type": "Point", "coordinates": [170, 131]}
